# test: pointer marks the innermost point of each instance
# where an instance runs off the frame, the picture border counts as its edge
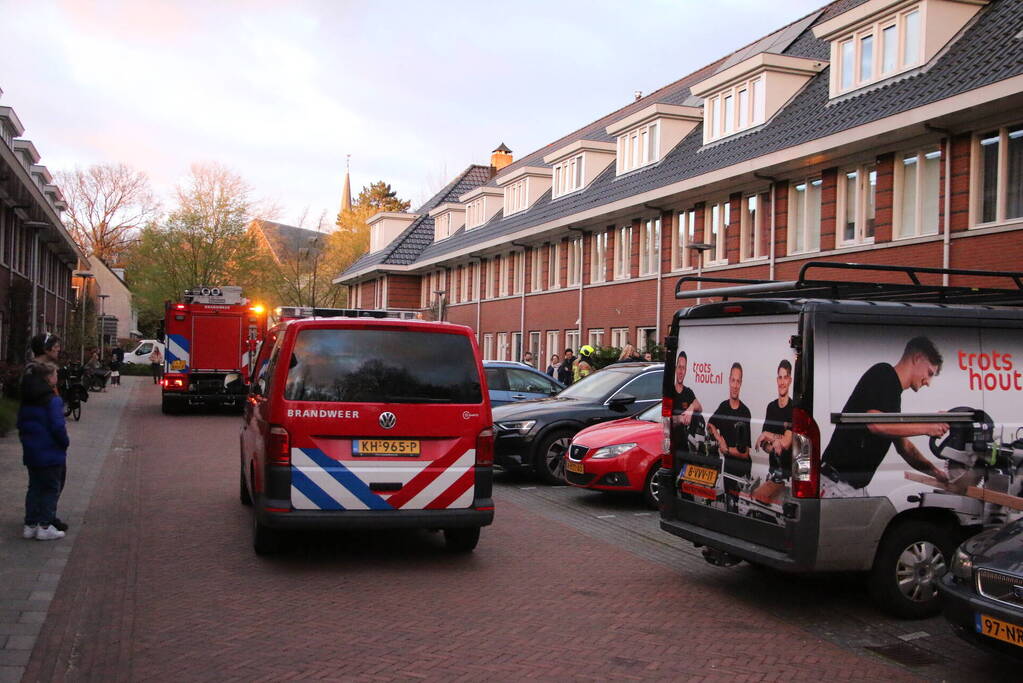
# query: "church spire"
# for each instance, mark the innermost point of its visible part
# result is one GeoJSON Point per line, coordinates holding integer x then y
{"type": "Point", "coordinates": [346, 193]}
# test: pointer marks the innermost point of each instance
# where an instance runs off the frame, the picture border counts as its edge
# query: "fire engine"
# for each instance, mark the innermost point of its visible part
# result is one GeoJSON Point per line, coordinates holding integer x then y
{"type": "Point", "coordinates": [210, 336]}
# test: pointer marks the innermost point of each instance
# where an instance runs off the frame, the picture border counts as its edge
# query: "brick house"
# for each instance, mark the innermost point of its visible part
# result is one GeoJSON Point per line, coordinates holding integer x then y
{"type": "Point", "coordinates": [876, 131]}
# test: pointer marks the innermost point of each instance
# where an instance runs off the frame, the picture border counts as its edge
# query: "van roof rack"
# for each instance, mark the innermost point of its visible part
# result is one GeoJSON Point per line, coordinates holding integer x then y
{"type": "Point", "coordinates": [913, 291]}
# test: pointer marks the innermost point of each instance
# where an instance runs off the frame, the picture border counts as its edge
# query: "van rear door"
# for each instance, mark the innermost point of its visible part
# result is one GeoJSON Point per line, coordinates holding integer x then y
{"type": "Point", "coordinates": [384, 416]}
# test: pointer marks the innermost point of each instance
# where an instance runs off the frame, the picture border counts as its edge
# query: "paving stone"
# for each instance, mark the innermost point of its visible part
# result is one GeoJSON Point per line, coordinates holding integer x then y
{"type": "Point", "coordinates": [20, 643]}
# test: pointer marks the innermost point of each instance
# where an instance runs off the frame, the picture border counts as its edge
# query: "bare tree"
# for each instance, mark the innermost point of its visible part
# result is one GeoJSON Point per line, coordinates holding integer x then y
{"type": "Point", "coordinates": [107, 205]}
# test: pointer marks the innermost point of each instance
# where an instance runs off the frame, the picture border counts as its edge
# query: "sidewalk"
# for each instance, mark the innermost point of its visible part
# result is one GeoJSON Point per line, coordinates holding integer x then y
{"type": "Point", "coordinates": [31, 570]}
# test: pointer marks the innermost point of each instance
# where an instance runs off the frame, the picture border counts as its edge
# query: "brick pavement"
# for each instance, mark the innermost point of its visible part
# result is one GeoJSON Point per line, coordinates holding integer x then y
{"type": "Point", "coordinates": [30, 570]}
{"type": "Point", "coordinates": [162, 583]}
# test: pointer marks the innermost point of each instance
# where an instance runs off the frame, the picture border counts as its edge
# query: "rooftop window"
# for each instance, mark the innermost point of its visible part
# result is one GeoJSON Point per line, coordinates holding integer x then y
{"type": "Point", "coordinates": [646, 136]}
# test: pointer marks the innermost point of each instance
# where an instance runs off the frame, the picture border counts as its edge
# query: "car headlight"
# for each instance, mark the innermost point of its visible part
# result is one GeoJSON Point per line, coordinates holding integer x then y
{"type": "Point", "coordinates": [520, 427]}
{"type": "Point", "coordinates": [613, 451]}
{"type": "Point", "coordinates": [962, 564]}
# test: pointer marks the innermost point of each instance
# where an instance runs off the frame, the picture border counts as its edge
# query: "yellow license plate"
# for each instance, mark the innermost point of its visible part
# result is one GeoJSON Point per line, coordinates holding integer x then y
{"type": "Point", "coordinates": [1000, 630]}
{"type": "Point", "coordinates": [386, 447]}
{"type": "Point", "coordinates": [177, 365]}
{"type": "Point", "coordinates": [704, 476]}
{"type": "Point", "coordinates": [576, 467]}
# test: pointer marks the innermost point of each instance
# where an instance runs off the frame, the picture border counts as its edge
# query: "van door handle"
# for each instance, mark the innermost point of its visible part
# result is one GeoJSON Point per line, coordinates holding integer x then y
{"type": "Point", "coordinates": [518, 397]}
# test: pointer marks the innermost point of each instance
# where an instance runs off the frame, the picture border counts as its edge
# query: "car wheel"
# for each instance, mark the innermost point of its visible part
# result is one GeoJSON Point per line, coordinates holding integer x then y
{"type": "Point", "coordinates": [549, 462]}
{"type": "Point", "coordinates": [461, 540]}
{"type": "Point", "coordinates": [652, 487]}
{"type": "Point", "coordinates": [265, 541]}
{"type": "Point", "coordinates": [243, 488]}
{"type": "Point", "coordinates": [912, 558]}
{"type": "Point", "coordinates": [169, 406]}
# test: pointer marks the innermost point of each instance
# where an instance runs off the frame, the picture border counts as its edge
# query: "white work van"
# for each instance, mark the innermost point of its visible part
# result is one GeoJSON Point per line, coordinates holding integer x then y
{"type": "Point", "coordinates": [827, 425]}
{"type": "Point", "coordinates": [140, 354]}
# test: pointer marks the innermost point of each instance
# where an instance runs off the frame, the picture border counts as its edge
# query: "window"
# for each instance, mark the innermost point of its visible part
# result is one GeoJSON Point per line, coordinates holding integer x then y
{"type": "Point", "coordinates": [380, 294]}
{"type": "Point", "coordinates": [491, 276]}
{"type": "Point", "coordinates": [502, 346]}
{"type": "Point", "coordinates": [685, 235]}
{"type": "Point", "coordinates": [474, 213]}
{"type": "Point", "coordinates": [735, 109]}
{"type": "Point", "coordinates": [568, 176]}
{"type": "Point", "coordinates": [516, 346]}
{"type": "Point", "coordinates": [572, 340]}
{"type": "Point", "coordinates": [463, 285]}
{"type": "Point", "coordinates": [998, 164]}
{"type": "Point", "coordinates": [502, 278]}
{"type": "Point", "coordinates": [619, 336]}
{"type": "Point", "coordinates": [917, 186]}
{"type": "Point", "coordinates": [646, 337]}
{"type": "Point", "coordinates": [646, 387]}
{"type": "Point", "coordinates": [598, 259]}
{"type": "Point", "coordinates": [442, 225]}
{"type": "Point", "coordinates": [856, 190]}
{"type": "Point", "coordinates": [805, 216]}
{"type": "Point", "coordinates": [575, 261]}
{"type": "Point", "coordinates": [488, 347]}
{"type": "Point", "coordinates": [534, 348]}
{"type": "Point", "coordinates": [553, 266]}
{"type": "Point", "coordinates": [716, 220]}
{"type": "Point", "coordinates": [552, 344]}
{"type": "Point", "coordinates": [650, 246]}
{"type": "Point", "coordinates": [638, 147]}
{"type": "Point", "coordinates": [518, 271]}
{"type": "Point", "coordinates": [753, 236]}
{"type": "Point", "coordinates": [859, 60]}
{"type": "Point", "coordinates": [516, 197]}
{"type": "Point", "coordinates": [595, 337]}
{"type": "Point", "coordinates": [623, 252]}
{"type": "Point", "coordinates": [536, 270]}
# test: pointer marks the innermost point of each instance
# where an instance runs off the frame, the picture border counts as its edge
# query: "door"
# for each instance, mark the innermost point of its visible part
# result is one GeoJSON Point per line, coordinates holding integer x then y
{"type": "Point", "coordinates": [497, 382]}
{"type": "Point", "coordinates": [524, 385]}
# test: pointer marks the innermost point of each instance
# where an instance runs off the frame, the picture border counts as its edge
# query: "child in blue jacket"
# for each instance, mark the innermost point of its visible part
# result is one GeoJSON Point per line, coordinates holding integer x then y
{"type": "Point", "coordinates": [44, 443]}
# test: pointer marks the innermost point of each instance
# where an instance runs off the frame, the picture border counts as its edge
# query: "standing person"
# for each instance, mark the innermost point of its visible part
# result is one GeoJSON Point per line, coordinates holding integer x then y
{"type": "Point", "coordinates": [156, 364]}
{"type": "Point", "coordinates": [856, 451]}
{"type": "Point", "coordinates": [628, 355]}
{"type": "Point", "coordinates": [776, 438]}
{"type": "Point", "coordinates": [46, 349]}
{"type": "Point", "coordinates": [116, 361]}
{"type": "Point", "coordinates": [730, 428]}
{"type": "Point", "coordinates": [583, 365]}
{"type": "Point", "coordinates": [555, 365]}
{"type": "Point", "coordinates": [565, 369]}
{"type": "Point", "coordinates": [44, 443]}
{"type": "Point", "coordinates": [527, 358]}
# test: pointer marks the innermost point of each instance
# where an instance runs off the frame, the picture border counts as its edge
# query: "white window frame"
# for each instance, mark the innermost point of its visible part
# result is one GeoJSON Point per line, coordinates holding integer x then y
{"type": "Point", "coordinates": [575, 261]}
{"type": "Point", "coordinates": [488, 347]}
{"type": "Point", "coordinates": [516, 347]}
{"type": "Point", "coordinates": [490, 274]}
{"type": "Point", "coordinates": [685, 235]}
{"type": "Point", "coordinates": [598, 257]}
{"type": "Point", "coordinates": [569, 176]}
{"type": "Point", "coordinates": [572, 340]}
{"type": "Point", "coordinates": [619, 336]}
{"type": "Point", "coordinates": [554, 265]}
{"type": "Point", "coordinates": [863, 199]}
{"type": "Point", "coordinates": [899, 192]}
{"type": "Point", "coordinates": [641, 335]}
{"type": "Point", "coordinates": [595, 336]}
{"type": "Point", "coordinates": [502, 275]}
{"type": "Point", "coordinates": [650, 246]}
{"type": "Point", "coordinates": [717, 216]}
{"type": "Point", "coordinates": [502, 346]}
{"type": "Point", "coordinates": [464, 284]}
{"type": "Point", "coordinates": [516, 197]}
{"type": "Point", "coordinates": [518, 271]}
{"type": "Point", "coordinates": [1002, 182]}
{"type": "Point", "coordinates": [743, 116]}
{"type": "Point", "coordinates": [552, 346]}
{"type": "Point", "coordinates": [623, 254]}
{"type": "Point", "coordinates": [806, 229]}
{"type": "Point", "coordinates": [536, 269]}
{"type": "Point", "coordinates": [903, 61]}
{"type": "Point", "coordinates": [638, 147]}
{"type": "Point", "coordinates": [751, 229]}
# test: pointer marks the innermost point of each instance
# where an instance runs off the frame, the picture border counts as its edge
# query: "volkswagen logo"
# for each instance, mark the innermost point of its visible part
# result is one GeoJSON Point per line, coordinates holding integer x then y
{"type": "Point", "coordinates": [388, 420]}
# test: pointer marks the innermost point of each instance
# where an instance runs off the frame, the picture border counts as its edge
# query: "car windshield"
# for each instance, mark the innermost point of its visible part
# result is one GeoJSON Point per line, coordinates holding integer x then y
{"type": "Point", "coordinates": [596, 386]}
{"type": "Point", "coordinates": [651, 414]}
{"type": "Point", "coordinates": [382, 366]}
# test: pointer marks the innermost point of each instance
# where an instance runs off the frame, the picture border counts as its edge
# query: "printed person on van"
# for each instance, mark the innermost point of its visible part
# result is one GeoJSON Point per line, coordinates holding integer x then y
{"type": "Point", "coordinates": [684, 403]}
{"type": "Point", "coordinates": [856, 451]}
{"type": "Point", "coordinates": [776, 439]}
{"type": "Point", "coordinates": [729, 426]}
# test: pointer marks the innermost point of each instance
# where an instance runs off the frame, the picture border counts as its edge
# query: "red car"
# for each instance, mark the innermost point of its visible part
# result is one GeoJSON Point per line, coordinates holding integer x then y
{"type": "Point", "coordinates": [623, 455]}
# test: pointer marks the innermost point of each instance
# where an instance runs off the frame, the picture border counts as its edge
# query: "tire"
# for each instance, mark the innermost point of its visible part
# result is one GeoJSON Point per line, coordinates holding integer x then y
{"type": "Point", "coordinates": [265, 541]}
{"type": "Point", "coordinates": [651, 486]}
{"type": "Point", "coordinates": [169, 406]}
{"type": "Point", "coordinates": [76, 412]}
{"type": "Point", "coordinates": [243, 488]}
{"type": "Point", "coordinates": [549, 461]}
{"type": "Point", "coordinates": [912, 557]}
{"type": "Point", "coordinates": [461, 540]}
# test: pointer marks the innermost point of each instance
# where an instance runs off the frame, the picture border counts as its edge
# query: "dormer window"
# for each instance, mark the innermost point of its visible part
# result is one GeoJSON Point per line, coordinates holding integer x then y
{"type": "Point", "coordinates": [481, 204]}
{"type": "Point", "coordinates": [447, 220]}
{"type": "Point", "coordinates": [575, 165]}
{"type": "Point", "coordinates": [568, 176]}
{"type": "Point", "coordinates": [879, 39]}
{"type": "Point", "coordinates": [515, 197]}
{"type": "Point", "coordinates": [385, 226]}
{"type": "Point", "coordinates": [644, 137]}
{"type": "Point", "coordinates": [737, 108]}
{"type": "Point", "coordinates": [523, 186]}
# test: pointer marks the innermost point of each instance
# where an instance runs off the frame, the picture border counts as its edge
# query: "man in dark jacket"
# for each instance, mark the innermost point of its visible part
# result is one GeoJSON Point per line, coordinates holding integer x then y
{"type": "Point", "coordinates": [565, 369]}
{"type": "Point", "coordinates": [44, 442]}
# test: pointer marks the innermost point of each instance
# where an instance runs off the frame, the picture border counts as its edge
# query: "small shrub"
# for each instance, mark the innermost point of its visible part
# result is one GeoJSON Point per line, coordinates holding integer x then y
{"type": "Point", "coordinates": [8, 415]}
{"type": "Point", "coordinates": [136, 370]}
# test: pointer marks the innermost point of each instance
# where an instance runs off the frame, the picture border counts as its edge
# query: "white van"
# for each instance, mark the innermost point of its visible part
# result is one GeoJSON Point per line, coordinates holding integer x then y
{"type": "Point", "coordinates": [140, 354]}
{"type": "Point", "coordinates": [822, 425]}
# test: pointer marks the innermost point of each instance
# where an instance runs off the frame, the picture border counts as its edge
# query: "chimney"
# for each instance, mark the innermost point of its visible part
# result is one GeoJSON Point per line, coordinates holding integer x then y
{"type": "Point", "coordinates": [500, 157]}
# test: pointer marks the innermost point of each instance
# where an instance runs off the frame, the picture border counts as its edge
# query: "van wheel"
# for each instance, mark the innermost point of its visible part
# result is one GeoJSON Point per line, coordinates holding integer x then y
{"type": "Point", "coordinates": [550, 457]}
{"type": "Point", "coordinates": [912, 558]}
{"type": "Point", "coordinates": [169, 406]}
{"type": "Point", "coordinates": [265, 541]}
{"type": "Point", "coordinates": [461, 540]}
{"type": "Point", "coordinates": [243, 488]}
{"type": "Point", "coordinates": [652, 487]}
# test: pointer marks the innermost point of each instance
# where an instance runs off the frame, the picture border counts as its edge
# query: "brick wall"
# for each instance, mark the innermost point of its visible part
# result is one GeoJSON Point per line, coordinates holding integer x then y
{"type": "Point", "coordinates": [884, 198]}
{"type": "Point", "coordinates": [829, 208]}
{"type": "Point", "coordinates": [403, 291]}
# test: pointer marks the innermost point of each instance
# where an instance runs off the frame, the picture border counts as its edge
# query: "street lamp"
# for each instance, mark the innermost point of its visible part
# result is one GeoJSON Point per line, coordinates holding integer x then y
{"type": "Point", "coordinates": [699, 248]}
{"type": "Point", "coordinates": [102, 322]}
{"type": "Point", "coordinates": [440, 302]}
{"type": "Point", "coordinates": [85, 275]}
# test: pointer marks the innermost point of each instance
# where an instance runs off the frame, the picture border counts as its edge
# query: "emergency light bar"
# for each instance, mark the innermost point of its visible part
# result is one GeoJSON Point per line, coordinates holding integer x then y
{"type": "Point", "coordinates": [293, 312]}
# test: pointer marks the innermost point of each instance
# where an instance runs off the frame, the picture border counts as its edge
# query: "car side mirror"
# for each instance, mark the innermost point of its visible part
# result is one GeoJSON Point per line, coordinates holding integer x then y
{"type": "Point", "coordinates": [621, 402]}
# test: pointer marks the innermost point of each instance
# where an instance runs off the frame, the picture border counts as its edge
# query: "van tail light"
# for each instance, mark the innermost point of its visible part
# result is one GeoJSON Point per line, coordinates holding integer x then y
{"type": "Point", "coordinates": [485, 447]}
{"type": "Point", "coordinates": [806, 455]}
{"type": "Point", "coordinates": [278, 452]}
{"type": "Point", "coordinates": [667, 460]}
{"type": "Point", "coordinates": [172, 382]}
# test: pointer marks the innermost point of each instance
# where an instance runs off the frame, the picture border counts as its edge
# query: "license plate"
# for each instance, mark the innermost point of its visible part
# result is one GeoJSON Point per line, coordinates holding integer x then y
{"type": "Point", "coordinates": [576, 467]}
{"type": "Point", "coordinates": [1000, 630]}
{"type": "Point", "coordinates": [386, 447]}
{"type": "Point", "coordinates": [177, 365]}
{"type": "Point", "coordinates": [704, 476]}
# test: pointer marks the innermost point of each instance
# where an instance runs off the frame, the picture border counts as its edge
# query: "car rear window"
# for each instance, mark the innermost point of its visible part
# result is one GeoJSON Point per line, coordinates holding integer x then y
{"type": "Point", "coordinates": [382, 366]}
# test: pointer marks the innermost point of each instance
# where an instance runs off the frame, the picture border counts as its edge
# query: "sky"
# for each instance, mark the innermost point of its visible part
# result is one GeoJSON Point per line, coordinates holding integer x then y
{"type": "Point", "coordinates": [281, 92]}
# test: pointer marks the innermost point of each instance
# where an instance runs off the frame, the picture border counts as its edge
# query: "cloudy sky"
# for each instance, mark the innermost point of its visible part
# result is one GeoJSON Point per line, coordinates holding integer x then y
{"type": "Point", "coordinates": [282, 91]}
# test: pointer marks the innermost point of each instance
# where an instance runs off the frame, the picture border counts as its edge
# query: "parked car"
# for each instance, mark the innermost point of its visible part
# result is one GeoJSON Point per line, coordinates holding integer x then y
{"type": "Point", "coordinates": [140, 354]}
{"type": "Point", "coordinates": [536, 434]}
{"type": "Point", "coordinates": [621, 455]}
{"type": "Point", "coordinates": [510, 382]}
{"type": "Point", "coordinates": [982, 594]}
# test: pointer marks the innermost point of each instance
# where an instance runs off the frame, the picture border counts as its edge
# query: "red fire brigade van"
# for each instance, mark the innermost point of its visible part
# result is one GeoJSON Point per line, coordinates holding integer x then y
{"type": "Point", "coordinates": [368, 422]}
{"type": "Point", "coordinates": [209, 338]}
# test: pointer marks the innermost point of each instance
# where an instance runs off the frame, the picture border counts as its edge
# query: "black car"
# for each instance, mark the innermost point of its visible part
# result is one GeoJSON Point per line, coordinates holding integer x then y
{"type": "Point", "coordinates": [535, 434]}
{"type": "Point", "coordinates": [982, 593]}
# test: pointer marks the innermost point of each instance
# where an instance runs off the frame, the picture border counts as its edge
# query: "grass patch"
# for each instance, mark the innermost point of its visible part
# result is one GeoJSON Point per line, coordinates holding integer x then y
{"type": "Point", "coordinates": [8, 415]}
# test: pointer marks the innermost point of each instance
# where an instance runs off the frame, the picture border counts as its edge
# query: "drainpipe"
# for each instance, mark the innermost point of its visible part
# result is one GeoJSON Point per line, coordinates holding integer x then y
{"type": "Point", "coordinates": [946, 241]}
{"type": "Point", "coordinates": [660, 274]}
{"type": "Point", "coordinates": [522, 300]}
{"type": "Point", "coordinates": [771, 260]}
{"type": "Point", "coordinates": [582, 277]}
{"type": "Point", "coordinates": [479, 294]}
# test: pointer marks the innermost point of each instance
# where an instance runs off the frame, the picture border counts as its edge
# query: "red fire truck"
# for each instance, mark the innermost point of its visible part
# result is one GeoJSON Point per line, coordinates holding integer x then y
{"type": "Point", "coordinates": [210, 337]}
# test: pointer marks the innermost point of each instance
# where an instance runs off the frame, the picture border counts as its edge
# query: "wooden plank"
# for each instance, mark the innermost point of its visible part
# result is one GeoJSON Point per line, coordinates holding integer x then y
{"type": "Point", "coordinates": [988, 496]}
{"type": "Point", "coordinates": [924, 479]}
